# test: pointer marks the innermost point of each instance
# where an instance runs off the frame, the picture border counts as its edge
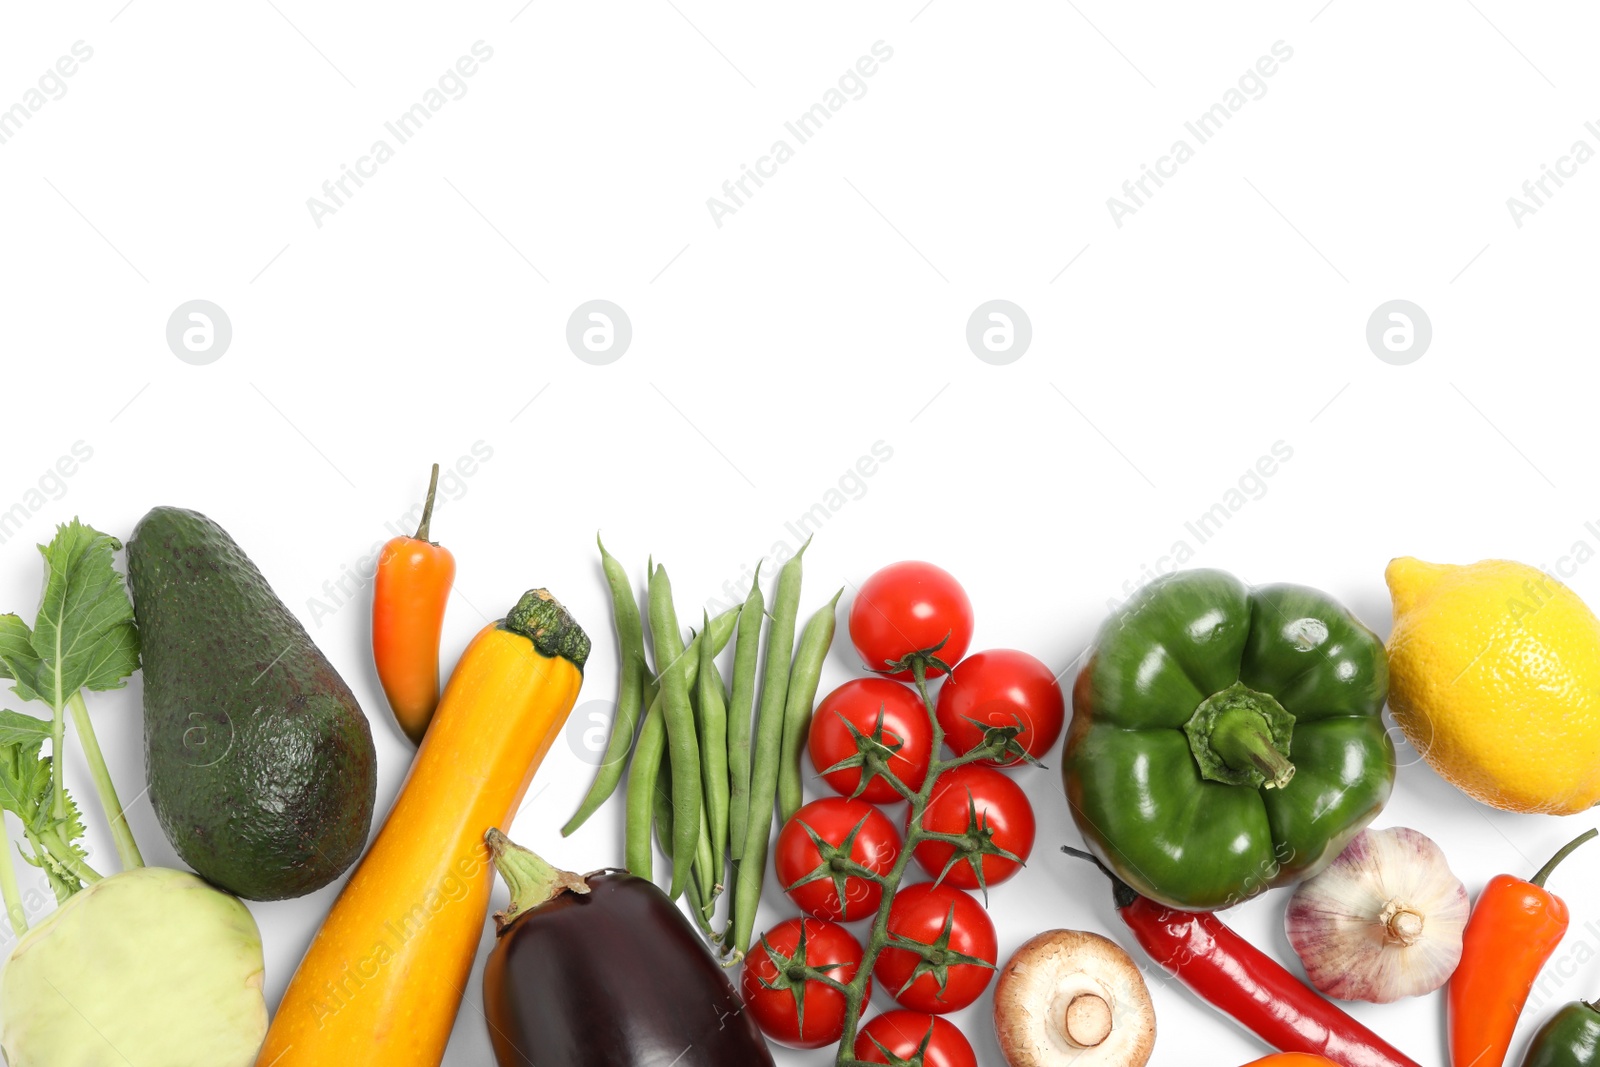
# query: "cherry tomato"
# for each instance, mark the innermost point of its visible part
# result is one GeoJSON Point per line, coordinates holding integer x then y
{"type": "Point", "coordinates": [873, 842]}
{"type": "Point", "coordinates": [767, 986]}
{"type": "Point", "coordinates": [904, 744]}
{"type": "Point", "coordinates": [1001, 687]}
{"type": "Point", "coordinates": [963, 937]}
{"type": "Point", "coordinates": [901, 1033]}
{"type": "Point", "coordinates": [1004, 819]}
{"type": "Point", "coordinates": [910, 607]}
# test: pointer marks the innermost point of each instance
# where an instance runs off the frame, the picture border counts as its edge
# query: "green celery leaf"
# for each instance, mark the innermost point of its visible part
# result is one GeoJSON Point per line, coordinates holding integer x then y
{"type": "Point", "coordinates": [115, 657]}
{"type": "Point", "coordinates": [24, 779]}
{"type": "Point", "coordinates": [84, 635]}
{"type": "Point", "coordinates": [18, 660]}
{"type": "Point", "coordinates": [25, 791]}
{"type": "Point", "coordinates": [17, 728]}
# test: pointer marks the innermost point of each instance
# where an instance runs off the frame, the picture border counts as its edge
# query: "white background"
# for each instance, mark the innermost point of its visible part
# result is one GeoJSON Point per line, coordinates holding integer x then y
{"type": "Point", "coordinates": [827, 314]}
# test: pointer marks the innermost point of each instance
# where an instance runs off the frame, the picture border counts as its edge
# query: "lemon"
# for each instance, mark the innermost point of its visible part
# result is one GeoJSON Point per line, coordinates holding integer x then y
{"type": "Point", "coordinates": [1494, 675]}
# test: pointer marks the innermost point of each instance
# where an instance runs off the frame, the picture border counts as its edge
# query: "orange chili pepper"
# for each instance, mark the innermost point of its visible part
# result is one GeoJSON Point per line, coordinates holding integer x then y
{"type": "Point", "coordinates": [408, 601]}
{"type": "Point", "coordinates": [1511, 933]}
{"type": "Point", "coordinates": [1292, 1059]}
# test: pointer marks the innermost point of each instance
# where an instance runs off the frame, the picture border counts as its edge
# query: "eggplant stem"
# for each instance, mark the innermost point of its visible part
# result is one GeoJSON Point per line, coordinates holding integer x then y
{"type": "Point", "coordinates": [531, 880]}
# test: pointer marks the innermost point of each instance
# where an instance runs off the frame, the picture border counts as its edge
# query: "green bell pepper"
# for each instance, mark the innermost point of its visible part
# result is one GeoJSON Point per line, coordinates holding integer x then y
{"type": "Point", "coordinates": [1571, 1038]}
{"type": "Point", "coordinates": [1226, 740]}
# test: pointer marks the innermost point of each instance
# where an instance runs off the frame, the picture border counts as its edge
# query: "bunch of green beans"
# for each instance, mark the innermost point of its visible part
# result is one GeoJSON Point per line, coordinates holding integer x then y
{"type": "Point", "coordinates": [710, 762]}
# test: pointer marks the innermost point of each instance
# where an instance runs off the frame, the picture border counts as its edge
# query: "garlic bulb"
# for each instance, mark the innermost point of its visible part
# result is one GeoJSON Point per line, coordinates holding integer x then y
{"type": "Point", "coordinates": [1383, 921]}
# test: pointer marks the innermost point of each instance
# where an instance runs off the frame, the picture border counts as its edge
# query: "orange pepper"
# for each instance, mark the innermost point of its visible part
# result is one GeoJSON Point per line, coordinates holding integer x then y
{"type": "Point", "coordinates": [1292, 1059]}
{"type": "Point", "coordinates": [1512, 931]}
{"type": "Point", "coordinates": [409, 593]}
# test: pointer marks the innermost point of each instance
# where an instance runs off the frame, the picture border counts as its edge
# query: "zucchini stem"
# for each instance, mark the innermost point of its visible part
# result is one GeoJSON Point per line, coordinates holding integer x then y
{"type": "Point", "coordinates": [121, 832]}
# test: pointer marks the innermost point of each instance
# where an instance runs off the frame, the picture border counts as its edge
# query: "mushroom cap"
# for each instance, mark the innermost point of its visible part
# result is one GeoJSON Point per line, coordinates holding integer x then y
{"type": "Point", "coordinates": [1073, 979]}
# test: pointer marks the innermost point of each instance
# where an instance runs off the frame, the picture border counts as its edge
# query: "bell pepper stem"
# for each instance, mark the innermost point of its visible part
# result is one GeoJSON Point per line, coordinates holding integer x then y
{"type": "Point", "coordinates": [1240, 736]}
{"type": "Point", "coordinates": [531, 880]}
{"type": "Point", "coordinates": [1242, 739]}
{"type": "Point", "coordinates": [1566, 850]}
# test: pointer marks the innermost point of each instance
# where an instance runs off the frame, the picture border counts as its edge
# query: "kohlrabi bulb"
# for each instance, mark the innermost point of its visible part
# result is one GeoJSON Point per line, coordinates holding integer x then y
{"type": "Point", "coordinates": [148, 968]}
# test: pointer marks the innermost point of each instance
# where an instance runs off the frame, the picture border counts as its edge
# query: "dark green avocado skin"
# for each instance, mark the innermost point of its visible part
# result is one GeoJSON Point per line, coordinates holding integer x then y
{"type": "Point", "coordinates": [259, 760]}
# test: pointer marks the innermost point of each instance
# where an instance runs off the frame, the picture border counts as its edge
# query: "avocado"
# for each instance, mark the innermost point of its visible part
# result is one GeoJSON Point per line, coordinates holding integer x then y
{"type": "Point", "coordinates": [259, 760]}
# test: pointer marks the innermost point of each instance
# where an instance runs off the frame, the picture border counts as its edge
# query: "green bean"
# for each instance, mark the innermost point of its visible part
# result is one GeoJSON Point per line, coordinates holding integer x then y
{"type": "Point", "coordinates": [741, 706]}
{"type": "Point", "coordinates": [682, 743]}
{"type": "Point", "coordinates": [705, 876]}
{"type": "Point", "coordinates": [698, 910]}
{"type": "Point", "coordinates": [803, 678]}
{"type": "Point", "coordinates": [713, 712]}
{"type": "Point", "coordinates": [768, 752]}
{"type": "Point", "coordinates": [630, 690]}
{"type": "Point", "coordinates": [652, 746]}
{"type": "Point", "coordinates": [663, 812]}
{"type": "Point", "coordinates": [637, 855]}
{"type": "Point", "coordinates": [720, 632]}
{"type": "Point", "coordinates": [661, 801]}
{"type": "Point", "coordinates": [651, 689]}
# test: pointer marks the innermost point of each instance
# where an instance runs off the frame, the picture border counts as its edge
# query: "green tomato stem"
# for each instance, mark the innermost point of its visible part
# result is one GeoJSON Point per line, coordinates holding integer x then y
{"type": "Point", "coordinates": [8, 886]}
{"type": "Point", "coordinates": [121, 832]}
{"type": "Point", "coordinates": [855, 991]}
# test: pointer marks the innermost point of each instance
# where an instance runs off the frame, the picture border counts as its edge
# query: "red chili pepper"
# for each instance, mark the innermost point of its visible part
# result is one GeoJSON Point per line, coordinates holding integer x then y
{"type": "Point", "coordinates": [408, 601]}
{"type": "Point", "coordinates": [1511, 933]}
{"type": "Point", "coordinates": [1242, 981]}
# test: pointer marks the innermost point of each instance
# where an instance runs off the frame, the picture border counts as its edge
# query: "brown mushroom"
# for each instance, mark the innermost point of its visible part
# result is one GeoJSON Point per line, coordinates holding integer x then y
{"type": "Point", "coordinates": [1068, 997]}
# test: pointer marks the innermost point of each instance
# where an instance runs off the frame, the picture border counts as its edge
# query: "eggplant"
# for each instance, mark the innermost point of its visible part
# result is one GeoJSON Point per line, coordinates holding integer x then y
{"type": "Point", "coordinates": [603, 970]}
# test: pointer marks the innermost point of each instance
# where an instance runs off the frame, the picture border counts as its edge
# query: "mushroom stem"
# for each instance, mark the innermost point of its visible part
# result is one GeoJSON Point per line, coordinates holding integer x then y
{"type": "Point", "coordinates": [1401, 924]}
{"type": "Point", "coordinates": [1088, 1021]}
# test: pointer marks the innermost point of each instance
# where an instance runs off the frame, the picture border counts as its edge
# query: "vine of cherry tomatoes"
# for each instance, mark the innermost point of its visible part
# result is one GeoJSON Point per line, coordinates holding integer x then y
{"type": "Point", "coordinates": [865, 735]}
